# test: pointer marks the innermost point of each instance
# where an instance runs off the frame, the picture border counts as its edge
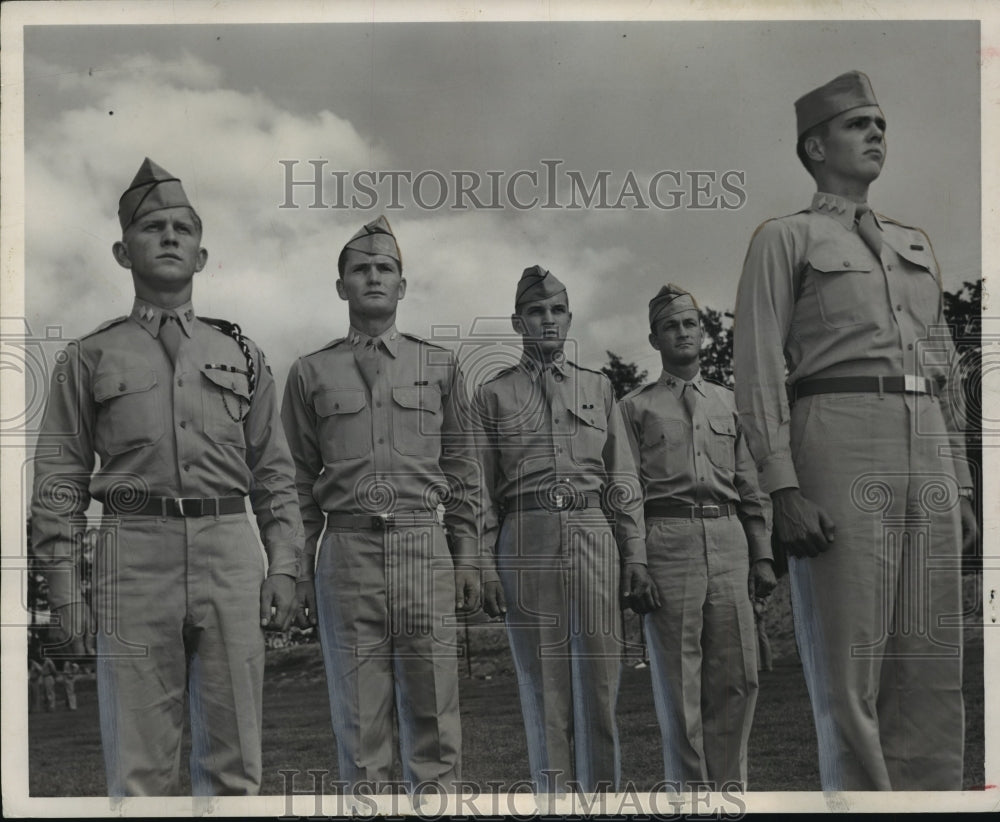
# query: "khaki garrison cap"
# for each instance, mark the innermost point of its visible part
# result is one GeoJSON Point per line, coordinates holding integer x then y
{"type": "Point", "coordinates": [850, 90]}
{"type": "Point", "coordinates": [376, 238]}
{"type": "Point", "coordinates": [669, 300]}
{"type": "Point", "coordinates": [537, 284]}
{"type": "Point", "coordinates": [152, 188]}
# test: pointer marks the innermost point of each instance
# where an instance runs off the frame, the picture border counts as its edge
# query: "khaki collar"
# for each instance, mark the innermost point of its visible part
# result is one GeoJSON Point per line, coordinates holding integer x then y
{"type": "Point", "coordinates": [839, 208]}
{"type": "Point", "coordinates": [388, 339]}
{"type": "Point", "coordinates": [676, 385]}
{"type": "Point", "coordinates": [150, 316]}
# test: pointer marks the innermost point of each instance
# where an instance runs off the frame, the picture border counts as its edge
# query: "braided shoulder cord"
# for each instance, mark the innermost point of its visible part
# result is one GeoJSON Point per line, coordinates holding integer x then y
{"type": "Point", "coordinates": [234, 331]}
{"type": "Point", "coordinates": [237, 334]}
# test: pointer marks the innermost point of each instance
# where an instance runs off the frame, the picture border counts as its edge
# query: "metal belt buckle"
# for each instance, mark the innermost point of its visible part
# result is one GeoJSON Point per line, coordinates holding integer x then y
{"type": "Point", "coordinates": [711, 511]}
{"type": "Point", "coordinates": [380, 522]}
{"type": "Point", "coordinates": [914, 384]}
{"type": "Point", "coordinates": [560, 502]}
{"type": "Point", "coordinates": [179, 502]}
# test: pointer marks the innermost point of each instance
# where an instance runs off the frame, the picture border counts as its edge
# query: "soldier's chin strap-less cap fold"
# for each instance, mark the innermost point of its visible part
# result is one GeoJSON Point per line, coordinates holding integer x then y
{"type": "Point", "coordinates": [669, 300]}
{"type": "Point", "coordinates": [850, 90]}
{"type": "Point", "coordinates": [376, 238]}
{"type": "Point", "coordinates": [537, 284]}
{"type": "Point", "coordinates": [151, 189]}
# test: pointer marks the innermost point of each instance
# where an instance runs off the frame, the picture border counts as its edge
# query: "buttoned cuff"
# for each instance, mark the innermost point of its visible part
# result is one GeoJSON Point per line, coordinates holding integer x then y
{"type": "Point", "coordinates": [64, 586]}
{"type": "Point", "coordinates": [286, 563]}
{"type": "Point", "coordinates": [963, 475]}
{"type": "Point", "coordinates": [465, 551]}
{"type": "Point", "coordinates": [777, 473]}
{"type": "Point", "coordinates": [760, 546]}
{"type": "Point", "coordinates": [307, 566]}
{"type": "Point", "coordinates": [633, 549]}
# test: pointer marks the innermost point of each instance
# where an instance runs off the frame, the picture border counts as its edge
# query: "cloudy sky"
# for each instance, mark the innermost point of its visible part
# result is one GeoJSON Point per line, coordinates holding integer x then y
{"type": "Point", "coordinates": [221, 105]}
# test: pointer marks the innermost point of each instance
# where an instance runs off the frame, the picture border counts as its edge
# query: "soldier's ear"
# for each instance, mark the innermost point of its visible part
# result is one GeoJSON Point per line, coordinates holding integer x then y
{"type": "Point", "coordinates": [402, 287]}
{"type": "Point", "coordinates": [120, 252]}
{"type": "Point", "coordinates": [341, 291]}
{"type": "Point", "coordinates": [654, 341]}
{"type": "Point", "coordinates": [202, 258]}
{"type": "Point", "coordinates": [814, 148]}
{"type": "Point", "coordinates": [517, 324]}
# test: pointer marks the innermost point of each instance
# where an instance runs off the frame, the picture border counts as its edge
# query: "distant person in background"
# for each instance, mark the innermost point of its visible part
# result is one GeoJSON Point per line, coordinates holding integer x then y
{"type": "Point", "coordinates": [48, 677]}
{"type": "Point", "coordinates": [853, 414]}
{"type": "Point", "coordinates": [36, 696]}
{"type": "Point", "coordinates": [67, 677]}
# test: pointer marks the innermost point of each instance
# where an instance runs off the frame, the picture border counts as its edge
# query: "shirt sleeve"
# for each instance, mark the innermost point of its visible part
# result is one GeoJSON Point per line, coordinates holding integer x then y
{"type": "Point", "coordinates": [627, 410]}
{"type": "Point", "coordinates": [486, 449]}
{"type": "Point", "coordinates": [754, 509]}
{"type": "Point", "coordinates": [299, 422]}
{"type": "Point", "coordinates": [764, 303]}
{"type": "Point", "coordinates": [953, 396]}
{"type": "Point", "coordinates": [461, 469]}
{"type": "Point", "coordinates": [624, 492]}
{"type": "Point", "coordinates": [64, 462]}
{"type": "Point", "coordinates": [272, 493]}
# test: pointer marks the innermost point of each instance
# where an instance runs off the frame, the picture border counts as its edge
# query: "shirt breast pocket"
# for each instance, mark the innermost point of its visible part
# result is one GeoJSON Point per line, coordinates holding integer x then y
{"type": "Point", "coordinates": [129, 415]}
{"type": "Point", "coordinates": [345, 424]}
{"type": "Point", "coordinates": [921, 291]}
{"type": "Point", "coordinates": [722, 442]}
{"type": "Point", "coordinates": [590, 432]}
{"type": "Point", "coordinates": [225, 399]}
{"type": "Point", "coordinates": [658, 433]}
{"type": "Point", "coordinates": [842, 283]}
{"type": "Point", "coordinates": [416, 420]}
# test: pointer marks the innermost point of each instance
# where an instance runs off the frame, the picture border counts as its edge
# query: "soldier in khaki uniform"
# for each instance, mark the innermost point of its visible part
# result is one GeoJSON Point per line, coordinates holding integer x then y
{"type": "Point", "coordinates": [377, 430]}
{"type": "Point", "coordinates": [706, 536]}
{"type": "Point", "coordinates": [860, 447]}
{"type": "Point", "coordinates": [555, 455]}
{"type": "Point", "coordinates": [182, 413]}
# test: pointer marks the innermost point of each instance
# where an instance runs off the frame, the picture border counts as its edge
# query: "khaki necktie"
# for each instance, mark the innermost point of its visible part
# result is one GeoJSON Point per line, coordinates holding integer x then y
{"type": "Point", "coordinates": [366, 355]}
{"type": "Point", "coordinates": [171, 336]}
{"type": "Point", "coordinates": [868, 229]}
{"type": "Point", "coordinates": [690, 399]}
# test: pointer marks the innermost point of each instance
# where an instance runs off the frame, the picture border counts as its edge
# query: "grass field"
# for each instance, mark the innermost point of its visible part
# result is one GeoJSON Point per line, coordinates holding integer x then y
{"type": "Point", "coordinates": [65, 756]}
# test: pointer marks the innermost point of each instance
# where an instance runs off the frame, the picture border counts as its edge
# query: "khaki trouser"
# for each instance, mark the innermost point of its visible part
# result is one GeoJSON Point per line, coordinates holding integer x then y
{"type": "Point", "coordinates": [878, 615]}
{"type": "Point", "coordinates": [559, 573]}
{"type": "Point", "coordinates": [702, 645]}
{"type": "Point", "coordinates": [178, 607]}
{"type": "Point", "coordinates": [386, 609]}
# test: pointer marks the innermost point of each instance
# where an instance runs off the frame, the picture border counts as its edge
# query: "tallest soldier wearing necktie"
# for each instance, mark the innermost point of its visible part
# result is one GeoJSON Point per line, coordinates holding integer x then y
{"type": "Point", "coordinates": [861, 450]}
{"type": "Point", "coordinates": [182, 413]}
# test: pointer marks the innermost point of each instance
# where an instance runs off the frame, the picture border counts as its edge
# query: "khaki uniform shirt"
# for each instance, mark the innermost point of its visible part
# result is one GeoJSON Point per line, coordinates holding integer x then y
{"type": "Point", "coordinates": [558, 429]}
{"type": "Point", "coordinates": [160, 430]}
{"type": "Point", "coordinates": [699, 461]}
{"type": "Point", "coordinates": [813, 297]}
{"type": "Point", "coordinates": [405, 445]}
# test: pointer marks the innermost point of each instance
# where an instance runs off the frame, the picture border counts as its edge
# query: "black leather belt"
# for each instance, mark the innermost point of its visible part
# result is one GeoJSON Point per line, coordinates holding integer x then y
{"type": "Point", "coordinates": [553, 502]}
{"type": "Point", "coordinates": [657, 509]}
{"type": "Point", "coordinates": [180, 507]}
{"type": "Point", "coordinates": [380, 522]}
{"type": "Point", "coordinates": [906, 384]}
